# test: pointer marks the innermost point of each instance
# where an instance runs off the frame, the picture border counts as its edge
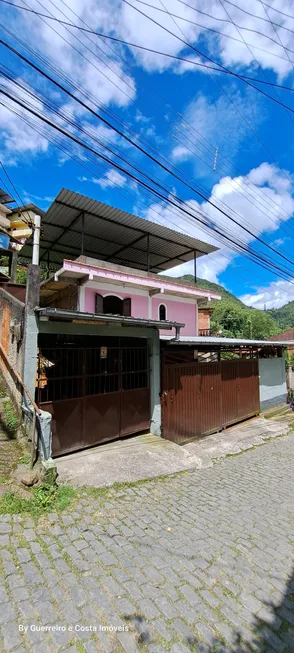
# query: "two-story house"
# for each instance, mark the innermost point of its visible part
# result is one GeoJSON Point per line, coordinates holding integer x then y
{"type": "Point", "coordinates": [101, 316]}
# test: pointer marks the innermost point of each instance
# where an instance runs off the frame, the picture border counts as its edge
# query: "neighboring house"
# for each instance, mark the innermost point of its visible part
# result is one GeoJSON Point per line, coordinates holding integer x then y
{"type": "Point", "coordinates": [287, 337]}
{"type": "Point", "coordinates": [204, 316]}
{"type": "Point", "coordinates": [110, 346]}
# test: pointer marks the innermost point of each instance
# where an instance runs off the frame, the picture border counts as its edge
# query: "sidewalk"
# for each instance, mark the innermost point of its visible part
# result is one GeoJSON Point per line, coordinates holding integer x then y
{"type": "Point", "coordinates": [148, 456]}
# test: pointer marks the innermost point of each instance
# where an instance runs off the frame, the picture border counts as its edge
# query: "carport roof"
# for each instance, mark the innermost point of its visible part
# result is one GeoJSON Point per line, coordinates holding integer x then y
{"type": "Point", "coordinates": [215, 341]}
{"type": "Point", "coordinates": [75, 224]}
{"type": "Point", "coordinates": [77, 316]}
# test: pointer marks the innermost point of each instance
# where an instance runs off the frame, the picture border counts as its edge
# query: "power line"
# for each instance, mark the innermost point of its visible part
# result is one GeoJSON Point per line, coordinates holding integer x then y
{"type": "Point", "coordinates": [278, 11]}
{"type": "Point", "coordinates": [277, 33]}
{"type": "Point", "coordinates": [254, 58]}
{"type": "Point", "coordinates": [207, 57]}
{"type": "Point", "coordinates": [177, 139]}
{"type": "Point", "coordinates": [210, 29]}
{"type": "Point", "coordinates": [158, 52]}
{"type": "Point", "coordinates": [169, 197]}
{"type": "Point", "coordinates": [238, 190]}
{"type": "Point", "coordinates": [265, 20]}
{"type": "Point", "coordinates": [215, 206]}
{"type": "Point", "coordinates": [88, 134]}
{"type": "Point", "coordinates": [151, 157]}
{"type": "Point", "coordinates": [198, 52]}
{"type": "Point", "coordinates": [260, 264]}
{"type": "Point", "coordinates": [28, 221]}
{"type": "Point", "coordinates": [144, 98]}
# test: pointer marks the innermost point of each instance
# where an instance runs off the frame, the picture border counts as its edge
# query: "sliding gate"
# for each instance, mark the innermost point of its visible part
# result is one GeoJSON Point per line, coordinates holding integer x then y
{"type": "Point", "coordinates": [94, 394]}
{"type": "Point", "coordinates": [201, 398]}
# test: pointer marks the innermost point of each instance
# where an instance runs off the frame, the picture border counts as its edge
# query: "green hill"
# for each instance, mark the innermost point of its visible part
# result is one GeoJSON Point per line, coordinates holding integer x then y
{"type": "Point", "coordinates": [209, 285]}
{"type": "Point", "coordinates": [233, 318]}
{"type": "Point", "coordinates": [284, 316]}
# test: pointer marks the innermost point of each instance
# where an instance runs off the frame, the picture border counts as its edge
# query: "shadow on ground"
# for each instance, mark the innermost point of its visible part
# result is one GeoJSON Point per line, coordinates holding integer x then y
{"type": "Point", "coordinates": [274, 634]}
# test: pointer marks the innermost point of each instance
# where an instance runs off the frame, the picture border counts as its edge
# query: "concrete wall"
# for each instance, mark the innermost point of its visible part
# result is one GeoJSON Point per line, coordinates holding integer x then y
{"type": "Point", "coordinates": [178, 309]}
{"type": "Point", "coordinates": [273, 388]}
{"type": "Point", "coordinates": [12, 315]}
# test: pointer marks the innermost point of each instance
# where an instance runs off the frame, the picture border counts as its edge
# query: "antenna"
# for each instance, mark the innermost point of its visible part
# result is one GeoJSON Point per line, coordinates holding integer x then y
{"type": "Point", "coordinates": [215, 159]}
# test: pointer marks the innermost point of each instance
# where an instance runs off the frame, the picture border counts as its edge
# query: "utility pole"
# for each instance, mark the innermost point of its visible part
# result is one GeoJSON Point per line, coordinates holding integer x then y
{"type": "Point", "coordinates": [36, 240]}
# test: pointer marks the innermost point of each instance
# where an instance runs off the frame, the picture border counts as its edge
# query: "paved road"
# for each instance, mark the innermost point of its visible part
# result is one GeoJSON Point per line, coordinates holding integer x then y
{"type": "Point", "coordinates": [202, 561]}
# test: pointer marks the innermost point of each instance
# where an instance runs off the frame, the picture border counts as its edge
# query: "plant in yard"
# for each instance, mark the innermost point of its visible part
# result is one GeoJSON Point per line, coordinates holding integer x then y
{"type": "Point", "coordinates": [41, 500]}
{"type": "Point", "coordinates": [290, 399]}
{"type": "Point", "coordinates": [9, 417]}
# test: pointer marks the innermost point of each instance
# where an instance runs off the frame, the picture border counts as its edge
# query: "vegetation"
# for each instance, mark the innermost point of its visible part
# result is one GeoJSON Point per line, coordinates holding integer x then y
{"type": "Point", "coordinates": [215, 287]}
{"type": "Point", "coordinates": [9, 417]}
{"type": "Point", "coordinates": [234, 319]}
{"type": "Point", "coordinates": [42, 499]}
{"type": "Point", "coordinates": [284, 316]}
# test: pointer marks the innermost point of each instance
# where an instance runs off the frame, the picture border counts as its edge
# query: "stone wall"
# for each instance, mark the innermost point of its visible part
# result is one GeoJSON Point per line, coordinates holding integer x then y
{"type": "Point", "coordinates": [290, 377]}
{"type": "Point", "coordinates": [12, 340]}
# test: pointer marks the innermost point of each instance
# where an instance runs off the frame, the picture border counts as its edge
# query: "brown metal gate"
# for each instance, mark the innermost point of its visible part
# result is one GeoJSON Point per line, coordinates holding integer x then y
{"type": "Point", "coordinates": [94, 394]}
{"type": "Point", "coordinates": [200, 398]}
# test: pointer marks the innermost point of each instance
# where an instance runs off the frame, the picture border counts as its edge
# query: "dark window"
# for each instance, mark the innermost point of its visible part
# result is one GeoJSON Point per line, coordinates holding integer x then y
{"type": "Point", "coordinates": [112, 305]}
{"type": "Point", "coordinates": [98, 304]}
{"type": "Point", "coordinates": [162, 312]}
{"type": "Point", "coordinates": [127, 307]}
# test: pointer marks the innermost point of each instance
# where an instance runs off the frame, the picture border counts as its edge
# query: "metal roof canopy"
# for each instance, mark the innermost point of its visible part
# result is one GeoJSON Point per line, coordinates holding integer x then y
{"type": "Point", "coordinates": [76, 225]}
{"type": "Point", "coordinates": [5, 198]}
{"type": "Point", "coordinates": [221, 342]}
{"type": "Point", "coordinates": [66, 314]}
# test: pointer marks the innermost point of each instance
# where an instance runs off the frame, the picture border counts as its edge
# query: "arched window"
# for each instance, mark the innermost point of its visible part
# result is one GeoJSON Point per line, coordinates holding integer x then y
{"type": "Point", "coordinates": [162, 312]}
{"type": "Point", "coordinates": [113, 305]}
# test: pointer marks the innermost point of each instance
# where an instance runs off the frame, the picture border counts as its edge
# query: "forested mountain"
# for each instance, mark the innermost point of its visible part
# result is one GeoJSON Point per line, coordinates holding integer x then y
{"type": "Point", "coordinates": [234, 319]}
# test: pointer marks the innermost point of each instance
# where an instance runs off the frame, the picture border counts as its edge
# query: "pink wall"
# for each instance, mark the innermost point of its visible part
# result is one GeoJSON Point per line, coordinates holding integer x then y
{"type": "Point", "coordinates": [177, 312]}
{"type": "Point", "coordinates": [139, 302]}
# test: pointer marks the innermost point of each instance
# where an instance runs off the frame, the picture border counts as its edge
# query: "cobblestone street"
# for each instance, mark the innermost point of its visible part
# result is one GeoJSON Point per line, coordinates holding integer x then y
{"type": "Point", "coordinates": [201, 561]}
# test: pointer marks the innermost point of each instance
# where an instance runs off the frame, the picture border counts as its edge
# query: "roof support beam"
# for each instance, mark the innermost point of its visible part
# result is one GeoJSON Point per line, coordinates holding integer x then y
{"type": "Point", "coordinates": [76, 218]}
{"type": "Point", "coordinates": [90, 253]}
{"type": "Point", "coordinates": [178, 258]}
{"type": "Point", "coordinates": [126, 226]}
{"type": "Point", "coordinates": [131, 244]}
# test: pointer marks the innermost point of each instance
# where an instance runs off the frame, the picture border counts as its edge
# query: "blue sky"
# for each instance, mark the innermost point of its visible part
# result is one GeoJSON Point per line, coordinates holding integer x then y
{"type": "Point", "coordinates": [178, 110]}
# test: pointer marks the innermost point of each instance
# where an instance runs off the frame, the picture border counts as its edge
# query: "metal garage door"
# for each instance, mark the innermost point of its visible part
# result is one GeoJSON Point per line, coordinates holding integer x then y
{"type": "Point", "coordinates": [200, 398]}
{"type": "Point", "coordinates": [95, 394]}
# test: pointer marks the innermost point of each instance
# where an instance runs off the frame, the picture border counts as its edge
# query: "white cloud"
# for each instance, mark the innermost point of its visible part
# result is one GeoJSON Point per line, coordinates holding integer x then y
{"type": "Point", "coordinates": [237, 196]}
{"type": "Point", "coordinates": [276, 294]}
{"type": "Point", "coordinates": [219, 123]}
{"type": "Point", "coordinates": [180, 153]}
{"type": "Point", "coordinates": [135, 27]}
{"type": "Point", "coordinates": [111, 179]}
{"type": "Point", "coordinates": [17, 139]}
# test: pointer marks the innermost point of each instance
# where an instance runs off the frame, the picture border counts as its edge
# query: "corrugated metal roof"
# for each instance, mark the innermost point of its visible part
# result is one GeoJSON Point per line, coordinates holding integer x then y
{"type": "Point", "coordinates": [203, 340]}
{"type": "Point", "coordinates": [64, 313]}
{"type": "Point", "coordinates": [110, 234]}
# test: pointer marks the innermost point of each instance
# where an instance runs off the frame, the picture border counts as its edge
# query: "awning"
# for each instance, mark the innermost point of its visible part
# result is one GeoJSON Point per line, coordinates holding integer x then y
{"type": "Point", "coordinates": [221, 342]}
{"type": "Point", "coordinates": [77, 316]}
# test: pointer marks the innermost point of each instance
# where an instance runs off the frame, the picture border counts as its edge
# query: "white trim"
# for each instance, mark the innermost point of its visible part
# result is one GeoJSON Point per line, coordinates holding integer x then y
{"type": "Point", "coordinates": [110, 294]}
{"type": "Point", "coordinates": [158, 310]}
{"type": "Point", "coordinates": [197, 319]}
{"type": "Point", "coordinates": [176, 298]}
{"type": "Point", "coordinates": [150, 308]}
{"type": "Point", "coordinates": [81, 298]}
{"type": "Point", "coordinates": [92, 285]}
